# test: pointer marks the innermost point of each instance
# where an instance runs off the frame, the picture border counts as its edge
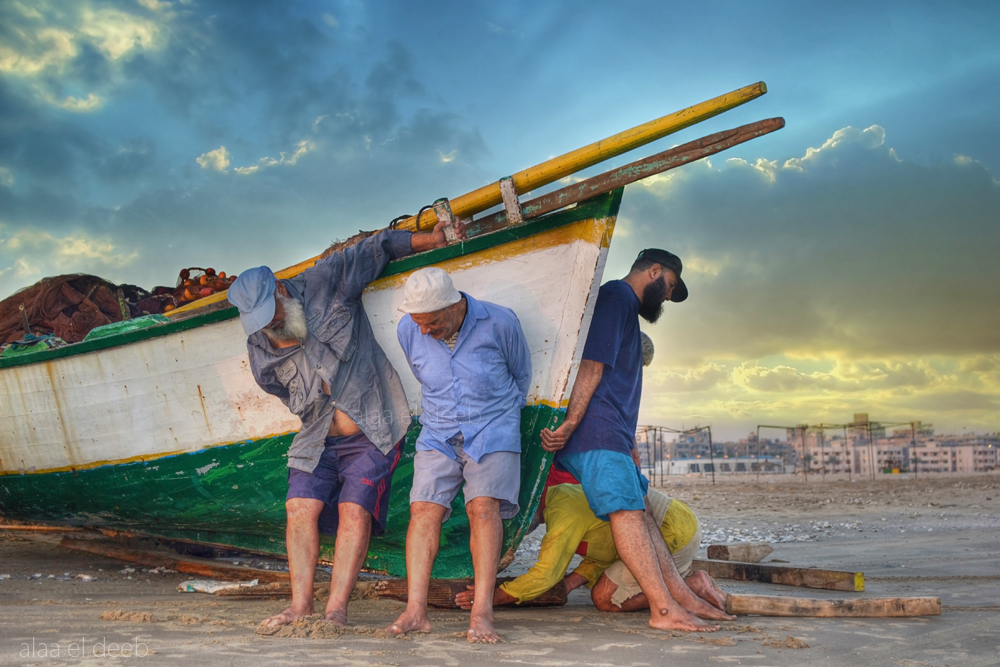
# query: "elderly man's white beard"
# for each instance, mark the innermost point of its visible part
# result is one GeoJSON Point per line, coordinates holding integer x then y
{"type": "Point", "coordinates": [294, 328]}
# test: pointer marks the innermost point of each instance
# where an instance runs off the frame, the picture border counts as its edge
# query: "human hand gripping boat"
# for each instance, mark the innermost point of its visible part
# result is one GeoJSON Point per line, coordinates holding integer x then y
{"type": "Point", "coordinates": [164, 432]}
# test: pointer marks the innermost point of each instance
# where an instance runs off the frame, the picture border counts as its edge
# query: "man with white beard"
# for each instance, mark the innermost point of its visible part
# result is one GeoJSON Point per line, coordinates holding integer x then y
{"type": "Point", "coordinates": [311, 345]}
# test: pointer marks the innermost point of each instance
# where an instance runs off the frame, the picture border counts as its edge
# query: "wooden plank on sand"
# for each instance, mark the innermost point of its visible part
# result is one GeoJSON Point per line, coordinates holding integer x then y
{"type": "Point", "coordinates": [747, 552]}
{"type": "Point", "coordinates": [769, 605]}
{"type": "Point", "coordinates": [833, 580]}
{"type": "Point", "coordinates": [441, 592]}
{"type": "Point", "coordinates": [189, 565]}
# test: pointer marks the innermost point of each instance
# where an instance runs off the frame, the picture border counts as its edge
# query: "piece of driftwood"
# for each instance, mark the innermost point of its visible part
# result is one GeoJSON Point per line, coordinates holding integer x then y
{"type": "Point", "coordinates": [40, 529]}
{"type": "Point", "coordinates": [833, 580]}
{"type": "Point", "coordinates": [747, 552]}
{"type": "Point", "coordinates": [321, 591]}
{"type": "Point", "coordinates": [441, 592]}
{"type": "Point", "coordinates": [770, 605]}
{"type": "Point", "coordinates": [189, 565]}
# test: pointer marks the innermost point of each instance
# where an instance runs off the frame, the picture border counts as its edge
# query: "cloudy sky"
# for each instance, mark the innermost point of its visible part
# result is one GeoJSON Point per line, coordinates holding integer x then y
{"type": "Point", "coordinates": [848, 263]}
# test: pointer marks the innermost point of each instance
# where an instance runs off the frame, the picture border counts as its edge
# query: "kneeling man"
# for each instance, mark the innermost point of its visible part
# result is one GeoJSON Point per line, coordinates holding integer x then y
{"type": "Point", "coordinates": [572, 528]}
{"type": "Point", "coordinates": [474, 369]}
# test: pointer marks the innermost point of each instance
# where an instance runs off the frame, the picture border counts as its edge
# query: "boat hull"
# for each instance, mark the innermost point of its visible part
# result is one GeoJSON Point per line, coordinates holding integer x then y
{"type": "Point", "coordinates": [166, 433]}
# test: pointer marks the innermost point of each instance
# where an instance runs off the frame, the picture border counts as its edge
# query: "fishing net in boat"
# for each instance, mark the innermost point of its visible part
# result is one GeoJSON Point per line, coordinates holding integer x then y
{"type": "Point", "coordinates": [69, 307]}
{"type": "Point", "coordinates": [72, 305]}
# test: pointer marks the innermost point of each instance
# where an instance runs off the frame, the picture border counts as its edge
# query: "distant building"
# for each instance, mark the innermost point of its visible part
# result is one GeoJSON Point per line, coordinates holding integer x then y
{"type": "Point", "coordinates": [721, 466]}
{"type": "Point", "coordinates": [859, 448]}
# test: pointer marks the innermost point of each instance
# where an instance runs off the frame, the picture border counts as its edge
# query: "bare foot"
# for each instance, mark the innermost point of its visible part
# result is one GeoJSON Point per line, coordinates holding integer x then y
{"type": "Point", "coordinates": [704, 587]}
{"type": "Point", "coordinates": [285, 617]}
{"type": "Point", "coordinates": [336, 617]}
{"type": "Point", "coordinates": [700, 608]}
{"type": "Point", "coordinates": [481, 630]}
{"type": "Point", "coordinates": [465, 599]}
{"type": "Point", "coordinates": [679, 619]}
{"type": "Point", "coordinates": [410, 622]}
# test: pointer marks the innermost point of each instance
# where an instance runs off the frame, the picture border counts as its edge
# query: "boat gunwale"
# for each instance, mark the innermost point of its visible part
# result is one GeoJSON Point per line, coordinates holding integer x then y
{"type": "Point", "coordinates": [602, 206]}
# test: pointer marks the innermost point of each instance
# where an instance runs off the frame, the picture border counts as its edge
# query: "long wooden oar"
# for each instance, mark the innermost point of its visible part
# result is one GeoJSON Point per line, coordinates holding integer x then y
{"type": "Point", "coordinates": [552, 170]}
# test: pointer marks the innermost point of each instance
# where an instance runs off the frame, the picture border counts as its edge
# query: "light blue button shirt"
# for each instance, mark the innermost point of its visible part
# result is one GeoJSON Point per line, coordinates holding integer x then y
{"type": "Point", "coordinates": [479, 388]}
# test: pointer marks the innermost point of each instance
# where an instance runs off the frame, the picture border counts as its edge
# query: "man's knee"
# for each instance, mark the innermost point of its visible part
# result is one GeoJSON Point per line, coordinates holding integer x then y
{"type": "Point", "coordinates": [424, 511]}
{"type": "Point", "coordinates": [601, 595]}
{"type": "Point", "coordinates": [482, 507]}
{"type": "Point", "coordinates": [301, 509]}
{"type": "Point", "coordinates": [353, 516]}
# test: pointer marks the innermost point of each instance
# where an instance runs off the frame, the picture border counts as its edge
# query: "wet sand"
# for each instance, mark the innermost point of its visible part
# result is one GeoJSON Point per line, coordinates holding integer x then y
{"type": "Point", "coordinates": [933, 536]}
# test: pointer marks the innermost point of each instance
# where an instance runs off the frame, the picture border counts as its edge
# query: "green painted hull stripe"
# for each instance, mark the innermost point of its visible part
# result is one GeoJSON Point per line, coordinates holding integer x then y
{"type": "Point", "coordinates": [234, 495]}
{"type": "Point", "coordinates": [600, 207]}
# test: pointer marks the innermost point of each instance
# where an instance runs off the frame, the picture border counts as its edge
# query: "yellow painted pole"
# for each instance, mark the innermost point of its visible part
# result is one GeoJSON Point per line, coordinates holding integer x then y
{"type": "Point", "coordinates": [578, 160]}
{"type": "Point", "coordinates": [558, 167]}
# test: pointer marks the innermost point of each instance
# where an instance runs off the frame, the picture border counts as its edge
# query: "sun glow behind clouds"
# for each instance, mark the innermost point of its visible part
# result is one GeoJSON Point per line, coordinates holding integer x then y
{"type": "Point", "coordinates": [34, 254]}
{"type": "Point", "coordinates": [837, 283]}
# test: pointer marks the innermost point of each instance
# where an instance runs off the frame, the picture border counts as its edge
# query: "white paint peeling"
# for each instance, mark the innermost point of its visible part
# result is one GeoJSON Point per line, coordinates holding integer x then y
{"type": "Point", "coordinates": [202, 470]}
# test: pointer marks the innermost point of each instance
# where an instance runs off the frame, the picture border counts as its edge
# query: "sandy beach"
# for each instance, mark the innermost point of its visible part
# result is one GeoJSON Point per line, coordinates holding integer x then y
{"type": "Point", "coordinates": [932, 536]}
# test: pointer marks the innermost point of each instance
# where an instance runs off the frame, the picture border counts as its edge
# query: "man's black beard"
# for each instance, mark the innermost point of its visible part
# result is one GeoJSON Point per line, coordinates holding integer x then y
{"type": "Point", "coordinates": [652, 300]}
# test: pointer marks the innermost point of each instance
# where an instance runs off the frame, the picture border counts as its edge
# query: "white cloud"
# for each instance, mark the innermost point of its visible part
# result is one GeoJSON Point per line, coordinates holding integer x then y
{"type": "Point", "coordinates": [302, 148]}
{"type": "Point", "coordinates": [331, 20]}
{"type": "Point", "coordinates": [50, 38]}
{"type": "Point", "coordinates": [692, 379]}
{"type": "Point", "coordinates": [91, 103]}
{"type": "Point", "coordinates": [118, 33]}
{"type": "Point", "coordinates": [871, 137]}
{"type": "Point", "coordinates": [448, 157]}
{"type": "Point", "coordinates": [51, 47]}
{"type": "Point", "coordinates": [217, 159]}
{"type": "Point", "coordinates": [700, 264]}
{"type": "Point", "coordinates": [6, 177]}
{"type": "Point", "coordinates": [155, 5]}
{"type": "Point", "coordinates": [44, 40]}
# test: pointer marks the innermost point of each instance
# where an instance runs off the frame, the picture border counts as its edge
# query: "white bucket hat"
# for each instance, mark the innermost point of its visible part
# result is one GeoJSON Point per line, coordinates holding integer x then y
{"type": "Point", "coordinates": [428, 290]}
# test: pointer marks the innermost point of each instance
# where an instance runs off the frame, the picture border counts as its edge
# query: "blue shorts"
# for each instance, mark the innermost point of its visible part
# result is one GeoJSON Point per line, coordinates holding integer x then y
{"type": "Point", "coordinates": [610, 480]}
{"type": "Point", "coordinates": [350, 470]}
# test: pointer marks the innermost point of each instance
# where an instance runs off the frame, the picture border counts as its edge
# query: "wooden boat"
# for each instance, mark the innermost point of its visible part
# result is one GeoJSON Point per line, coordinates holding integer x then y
{"type": "Point", "coordinates": [164, 431]}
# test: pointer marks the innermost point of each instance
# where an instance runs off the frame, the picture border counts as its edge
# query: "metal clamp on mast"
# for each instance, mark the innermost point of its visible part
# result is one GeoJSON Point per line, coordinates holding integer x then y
{"type": "Point", "coordinates": [515, 216]}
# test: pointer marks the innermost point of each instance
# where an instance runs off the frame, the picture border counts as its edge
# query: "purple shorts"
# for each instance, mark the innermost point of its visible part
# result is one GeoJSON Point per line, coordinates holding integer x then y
{"type": "Point", "coordinates": [351, 470]}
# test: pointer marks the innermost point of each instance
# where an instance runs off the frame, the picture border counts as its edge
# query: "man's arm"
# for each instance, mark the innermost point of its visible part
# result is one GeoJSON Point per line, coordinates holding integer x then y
{"type": "Point", "coordinates": [266, 380]}
{"type": "Point", "coordinates": [587, 572]}
{"type": "Point", "coordinates": [518, 357]}
{"type": "Point", "coordinates": [587, 379]}
{"type": "Point", "coordinates": [364, 261]}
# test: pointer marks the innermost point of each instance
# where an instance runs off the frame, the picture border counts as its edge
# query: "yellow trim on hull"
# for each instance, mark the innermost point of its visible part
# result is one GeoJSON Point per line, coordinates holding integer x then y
{"type": "Point", "coordinates": [593, 231]}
